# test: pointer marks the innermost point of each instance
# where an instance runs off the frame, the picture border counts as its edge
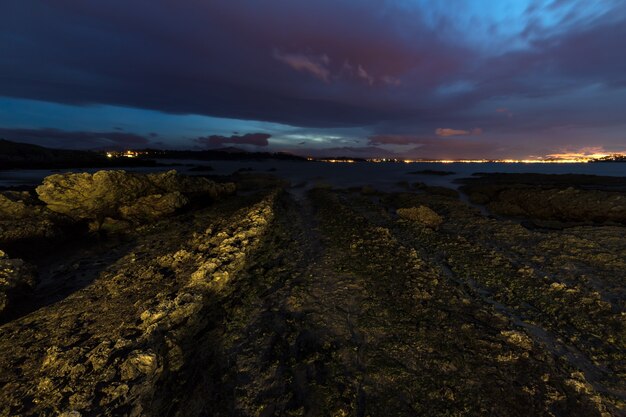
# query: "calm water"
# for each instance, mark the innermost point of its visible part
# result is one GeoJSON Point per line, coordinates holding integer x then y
{"type": "Point", "coordinates": [384, 176]}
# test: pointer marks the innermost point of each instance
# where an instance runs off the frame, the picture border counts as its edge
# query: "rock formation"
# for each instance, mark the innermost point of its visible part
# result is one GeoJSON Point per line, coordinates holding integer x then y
{"type": "Point", "coordinates": [16, 278]}
{"type": "Point", "coordinates": [18, 205]}
{"type": "Point", "coordinates": [421, 214]}
{"type": "Point", "coordinates": [118, 194]}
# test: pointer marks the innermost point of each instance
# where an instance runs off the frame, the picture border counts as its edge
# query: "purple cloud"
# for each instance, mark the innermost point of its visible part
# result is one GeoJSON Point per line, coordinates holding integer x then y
{"type": "Point", "coordinates": [326, 64]}
{"type": "Point", "coordinates": [314, 65]}
{"type": "Point", "coordinates": [456, 132]}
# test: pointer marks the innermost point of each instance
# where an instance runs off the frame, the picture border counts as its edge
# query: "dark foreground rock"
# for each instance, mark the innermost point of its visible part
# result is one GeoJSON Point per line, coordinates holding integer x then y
{"type": "Point", "coordinates": [25, 222]}
{"type": "Point", "coordinates": [18, 205]}
{"type": "Point", "coordinates": [110, 348]}
{"type": "Point", "coordinates": [566, 199]}
{"type": "Point", "coordinates": [329, 305]}
{"type": "Point", "coordinates": [16, 280]}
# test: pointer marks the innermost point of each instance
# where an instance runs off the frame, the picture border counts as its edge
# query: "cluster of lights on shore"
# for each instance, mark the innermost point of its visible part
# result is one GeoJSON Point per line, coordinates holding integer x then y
{"type": "Point", "coordinates": [469, 161]}
{"type": "Point", "coordinates": [125, 154]}
{"type": "Point", "coordinates": [553, 159]}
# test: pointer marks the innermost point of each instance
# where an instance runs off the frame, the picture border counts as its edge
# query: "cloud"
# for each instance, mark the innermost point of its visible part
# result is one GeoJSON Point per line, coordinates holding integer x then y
{"type": "Point", "coordinates": [240, 61]}
{"type": "Point", "coordinates": [75, 139]}
{"type": "Point", "coordinates": [504, 110]}
{"type": "Point", "coordinates": [364, 75]}
{"type": "Point", "coordinates": [314, 65]}
{"type": "Point", "coordinates": [352, 151]}
{"type": "Point", "coordinates": [395, 140]}
{"type": "Point", "coordinates": [440, 147]}
{"type": "Point", "coordinates": [256, 139]}
{"type": "Point", "coordinates": [454, 132]}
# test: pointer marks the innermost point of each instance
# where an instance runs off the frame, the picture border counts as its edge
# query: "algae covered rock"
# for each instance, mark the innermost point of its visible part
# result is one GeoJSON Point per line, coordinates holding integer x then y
{"type": "Point", "coordinates": [154, 206]}
{"type": "Point", "coordinates": [16, 279]}
{"type": "Point", "coordinates": [559, 198]}
{"type": "Point", "coordinates": [116, 194]}
{"type": "Point", "coordinates": [89, 196]}
{"type": "Point", "coordinates": [25, 221]}
{"type": "Point", "coordinates": [422, 214]}
{"type": "Point", "coordinates": [17, 205]}
{"type": "Point", "coordinates": [171, 181]}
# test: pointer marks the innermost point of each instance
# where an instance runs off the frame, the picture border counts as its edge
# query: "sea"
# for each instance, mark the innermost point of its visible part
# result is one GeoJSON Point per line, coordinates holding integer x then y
{"type": "Point", "coordinates": [384, 176]}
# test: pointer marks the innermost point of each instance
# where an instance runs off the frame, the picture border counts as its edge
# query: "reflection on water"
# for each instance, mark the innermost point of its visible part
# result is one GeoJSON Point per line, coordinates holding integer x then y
{"type": "Point", "coordinates": [383, 176]}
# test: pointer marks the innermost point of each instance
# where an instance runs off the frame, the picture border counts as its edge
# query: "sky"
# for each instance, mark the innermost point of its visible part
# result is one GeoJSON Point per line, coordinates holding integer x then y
{"type": "Point", "coordinates": [365, 78]}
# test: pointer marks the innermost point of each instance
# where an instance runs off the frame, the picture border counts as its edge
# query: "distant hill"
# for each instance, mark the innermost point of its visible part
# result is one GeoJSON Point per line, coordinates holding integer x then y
{"type": "Point", "coordinates": [16, 155]}
{"type": "Point", "coordinates": [16, 151]}
{"type": "Point", "coordinates": [229, 153]}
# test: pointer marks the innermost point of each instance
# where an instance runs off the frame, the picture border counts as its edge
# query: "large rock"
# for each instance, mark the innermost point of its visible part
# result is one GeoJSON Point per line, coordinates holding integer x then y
{"type": "Point", "coordinates": [421, 214]}
{"type": "Point", "coordinates": [18, 205]}
{"type": "Point", "coordinates": [118, 194]}
{"type": "Point", "coordinates": [544, 198]}
{"type": "Point", "coordinates": [16, 279]}
{"type": "Point", "coordinates": [562, 205]}
{"type": "Point", "coordinates": [24, 219]}
{"type": "Point", "coordinates": [154, 206]}
{"type": "Point", "coordinates": [171, 181]}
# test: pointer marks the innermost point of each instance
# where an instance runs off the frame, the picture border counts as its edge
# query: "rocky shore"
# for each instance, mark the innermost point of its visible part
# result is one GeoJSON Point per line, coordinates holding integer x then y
{"type": "Point", "coordinates": [165, 295]}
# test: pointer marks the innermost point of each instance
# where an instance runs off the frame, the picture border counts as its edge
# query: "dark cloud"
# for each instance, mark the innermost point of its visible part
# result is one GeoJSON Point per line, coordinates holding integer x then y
{"type": "Point", "coordinates": [395, 140]}
{"type": "Point", "coordinates": [75, 139]}
{"type": "Point", "coordinates": [350, 151]}
{"type": "Point", "coordinates": [441, 147]}
{"type": "Point", "coordinates": [385, 66]}
{"type": "Point", "coordinates": [256, 139]}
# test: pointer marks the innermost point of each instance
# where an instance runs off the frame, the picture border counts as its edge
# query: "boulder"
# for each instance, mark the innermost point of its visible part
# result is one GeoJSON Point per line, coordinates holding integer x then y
{"type": "Point", "coordinates": [118, 194]}
{"type": "Point", "coordinates": [171, 181]}
{"type": "Point", "coordinates": [92, 196]}
{"type": "Point", "coordinates": [552, 204]}
{"type": "Point", "coordinates": [16, 279]}
{"type": "Point", "coordinates": [24, 221]}
{"type": "Point", "coordinates": [18, 205]}
{"type": "Point", "coordinates": [153, 206]}
{"type": "Point", "coordinates": [421, 214]}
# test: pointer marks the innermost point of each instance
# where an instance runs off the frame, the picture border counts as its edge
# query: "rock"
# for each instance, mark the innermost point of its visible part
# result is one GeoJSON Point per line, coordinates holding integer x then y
{"type": "Point", "coordinates": [39, 228]}
{"type": "Point", "coordinates": [16, 279]}
{"type": "Point", "coordinates": [518, 339]}
{"type": "Point", "coordinates": [566, 205]}
{"type": "Point", "coordinates": [421, 214]}
{"type": "Point", "coordinates": [368, 190]}
{"type": "Point", "coordinates": [436, 190]}
{"type": "Point", "coordinates": [171, 181]}
{"type": "Point", "coordinates": [139, 364]}
{"type": "Point", "coordinates": [25, 221]}
{"type": "Point", "coordinates": [88, 196]}
{"type": "Point", "coordinates": [17, 205]}
{"type": "Point", "coordinates": [118, 194]}
{"type": "Point", "coordinates": [154, 206]}
{"type": "Point", "coordinates": [555, 198]}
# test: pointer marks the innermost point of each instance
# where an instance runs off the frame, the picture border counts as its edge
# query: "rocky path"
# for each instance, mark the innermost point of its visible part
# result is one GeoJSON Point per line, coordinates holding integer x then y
{"type": "Point", "coordinates": [324, 306]}
{"type": "Point", "coordinates": [105, 349]}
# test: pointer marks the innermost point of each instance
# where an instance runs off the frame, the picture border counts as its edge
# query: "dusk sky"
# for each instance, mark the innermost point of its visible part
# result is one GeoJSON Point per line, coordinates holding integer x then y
{"type": "Point", "coordinates": [412, 78]}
